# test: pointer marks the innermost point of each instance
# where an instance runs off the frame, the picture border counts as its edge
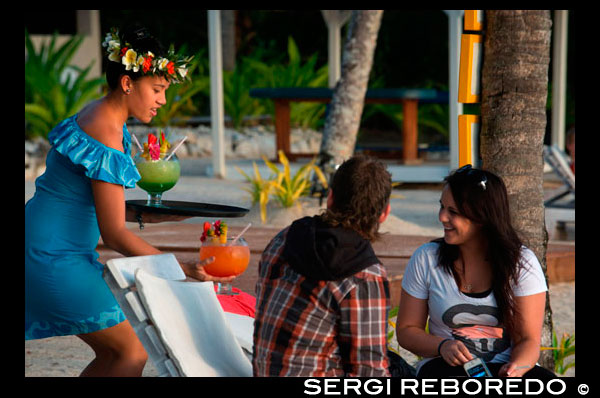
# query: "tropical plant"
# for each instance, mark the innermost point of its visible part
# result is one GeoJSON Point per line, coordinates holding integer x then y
{"type": "Point", "coordinates": [287, 189]}
{"type": "Point", "coordinates": [54, 89]}
{"type": "Point", "coordinates": [561, 351]}
{"type": "Point", "coordinates": [392, 343]}
{"type": "Point", "coordinates": [281, 185]}
{"type": "Point", "coordinates": [236, 93]}
{"type": "Point", "coordinates": [259, 190]}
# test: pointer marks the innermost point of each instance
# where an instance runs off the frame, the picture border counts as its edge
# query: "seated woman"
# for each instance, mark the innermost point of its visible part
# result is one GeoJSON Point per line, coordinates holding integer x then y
{"type": "Point", "coordinates": [483, 291]}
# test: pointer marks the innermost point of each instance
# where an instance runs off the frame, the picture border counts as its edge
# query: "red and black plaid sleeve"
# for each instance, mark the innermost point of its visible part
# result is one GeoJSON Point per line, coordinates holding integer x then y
{"type": "Point", "coordinates": [306, 327]}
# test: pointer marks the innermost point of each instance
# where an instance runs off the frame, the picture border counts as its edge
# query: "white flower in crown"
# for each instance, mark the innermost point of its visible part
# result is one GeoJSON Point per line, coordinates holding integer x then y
{"type": "Point", "coordinates": [182, 71]}
{"type": "Point", "coordinates": [130, 60]}
{"type": "Point", "coordinates": [115, 55]}
{"type": "Point", "coordinates": [162, 64]}
{"type": "Point", "coordinates": [138, 63]}
{"type": "Point", "coordinates": [114, 45]}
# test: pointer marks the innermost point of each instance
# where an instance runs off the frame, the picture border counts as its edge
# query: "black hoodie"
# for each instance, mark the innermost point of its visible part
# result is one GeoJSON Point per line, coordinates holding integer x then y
{"type": "Point", "coordinates": [321, 252]}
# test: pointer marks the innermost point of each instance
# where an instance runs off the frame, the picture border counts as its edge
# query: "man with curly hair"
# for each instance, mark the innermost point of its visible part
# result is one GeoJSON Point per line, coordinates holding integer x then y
{"type": "Point", "coordinates": [322, 294]}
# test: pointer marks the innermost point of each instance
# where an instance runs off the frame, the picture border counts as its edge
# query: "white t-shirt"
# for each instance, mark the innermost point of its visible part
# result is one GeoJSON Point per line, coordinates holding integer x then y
{"type": "Point", "coordinates": [452, 314]}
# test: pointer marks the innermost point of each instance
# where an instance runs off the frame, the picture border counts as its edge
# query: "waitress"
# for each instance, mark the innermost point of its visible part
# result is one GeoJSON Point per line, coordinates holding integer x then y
{"type": "Point", "coordinates": [80, 197]}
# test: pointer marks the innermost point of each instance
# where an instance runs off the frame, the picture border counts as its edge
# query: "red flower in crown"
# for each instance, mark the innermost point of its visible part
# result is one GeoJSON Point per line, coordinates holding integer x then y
{"type": "Point", "coordinates": [171, 68]}
{"type": "Point", "coordinates": [147, 64]}
{"type": "Point", "coordinates": [123, 51]}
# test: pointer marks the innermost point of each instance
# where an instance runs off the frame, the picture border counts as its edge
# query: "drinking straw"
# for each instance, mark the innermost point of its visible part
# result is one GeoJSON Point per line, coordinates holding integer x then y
{"type": "Point", "coordinates": [137, 142]}
{"type": "Point", "coordinates": [177, 147]}
{"type": "Point", "coordinates": [240, 234]}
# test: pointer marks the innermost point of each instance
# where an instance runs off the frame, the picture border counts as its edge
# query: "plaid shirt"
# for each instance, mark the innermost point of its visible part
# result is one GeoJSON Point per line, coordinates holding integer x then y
{"type": "Point", "coordinates": [304, 327]}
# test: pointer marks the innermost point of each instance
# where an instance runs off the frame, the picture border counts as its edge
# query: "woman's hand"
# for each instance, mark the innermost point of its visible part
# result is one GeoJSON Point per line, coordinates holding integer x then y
{"type": "Point", "coordinates": [195, 270]}
{"type": "Point", "coordinates": [512, 369]}
{"type": "Point", "coordinates": [455, 353]}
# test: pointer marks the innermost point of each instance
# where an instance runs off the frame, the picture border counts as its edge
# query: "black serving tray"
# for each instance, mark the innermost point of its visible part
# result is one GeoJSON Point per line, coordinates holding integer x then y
{"type": "Point", "coordinates": [193, 209]}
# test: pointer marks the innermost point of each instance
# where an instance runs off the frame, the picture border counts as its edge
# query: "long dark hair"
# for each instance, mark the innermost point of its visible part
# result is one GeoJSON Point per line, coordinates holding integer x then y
{"type": "Point", "coordinates": [481, 197]}
{"type": "Point", "coordinates": [140, 39]}
{"type": "Point", "coordinates": [361, 189]}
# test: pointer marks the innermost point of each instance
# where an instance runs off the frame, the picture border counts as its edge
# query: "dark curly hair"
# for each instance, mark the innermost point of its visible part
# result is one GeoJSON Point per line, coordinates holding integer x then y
{"type": "Point", "coordinates": [361, 189]}
{"type": "Point", "coordinates": [140, 39]}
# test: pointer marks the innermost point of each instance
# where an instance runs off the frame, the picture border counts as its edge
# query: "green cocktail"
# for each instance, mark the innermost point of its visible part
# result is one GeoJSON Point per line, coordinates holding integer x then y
{"type": "Point", "coordinates": [158, 176]}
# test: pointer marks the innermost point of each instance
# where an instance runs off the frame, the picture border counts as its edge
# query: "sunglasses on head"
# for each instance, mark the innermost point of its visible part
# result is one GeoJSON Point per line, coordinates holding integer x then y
{"type": "Point", "coordinates": [470, 171]}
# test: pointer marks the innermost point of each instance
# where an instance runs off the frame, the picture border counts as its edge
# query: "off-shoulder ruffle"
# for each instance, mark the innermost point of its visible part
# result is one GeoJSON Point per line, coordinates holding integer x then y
{"type": "Point", "coordinates": [100, 162]}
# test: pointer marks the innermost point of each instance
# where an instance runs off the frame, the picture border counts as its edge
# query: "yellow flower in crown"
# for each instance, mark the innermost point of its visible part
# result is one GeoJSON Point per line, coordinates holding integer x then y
{"type": "Point", "coordinates": [129, 59]}
{"type": "Point", "coordinates": [162, 64]}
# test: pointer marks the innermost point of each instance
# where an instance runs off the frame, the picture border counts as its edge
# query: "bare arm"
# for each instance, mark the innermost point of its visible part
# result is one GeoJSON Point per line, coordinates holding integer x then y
{"type": "Point", "coordinates": [527, 338]}
{"type": "Point", "coordinates": [411, 334]}
{"type": "Point", "coordinates": [110, 212]}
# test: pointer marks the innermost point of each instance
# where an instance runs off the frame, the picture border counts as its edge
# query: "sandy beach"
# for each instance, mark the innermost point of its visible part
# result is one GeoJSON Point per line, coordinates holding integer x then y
{"type": "Point", "coordinates": [414, 212]}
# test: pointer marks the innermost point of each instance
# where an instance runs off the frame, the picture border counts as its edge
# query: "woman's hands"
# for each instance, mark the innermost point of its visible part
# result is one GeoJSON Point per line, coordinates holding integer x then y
{"type": "Point", "coordinates": [455, 353]}
{"type": "Point", "coordinates": [195, 270]}
{"type": "Point", "coordinates": [512, 369]}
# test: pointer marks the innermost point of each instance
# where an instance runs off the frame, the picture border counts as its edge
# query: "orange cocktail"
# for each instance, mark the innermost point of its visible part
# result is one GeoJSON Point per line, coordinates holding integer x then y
{"type": "Point", "coordinates": [230, 260]}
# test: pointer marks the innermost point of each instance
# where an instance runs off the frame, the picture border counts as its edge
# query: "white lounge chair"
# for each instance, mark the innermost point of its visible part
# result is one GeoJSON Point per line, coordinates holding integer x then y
{"type": "Point", "coordinates": [557, 159]}
{"type": "Point", "coordinates": [560, 209]}
{"type": "Point", "coordinates": [180, 323]}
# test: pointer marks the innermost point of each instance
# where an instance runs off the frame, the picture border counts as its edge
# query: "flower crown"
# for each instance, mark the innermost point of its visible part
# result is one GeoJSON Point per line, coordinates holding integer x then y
{"type": "Point", "coordinates": [174, 68]}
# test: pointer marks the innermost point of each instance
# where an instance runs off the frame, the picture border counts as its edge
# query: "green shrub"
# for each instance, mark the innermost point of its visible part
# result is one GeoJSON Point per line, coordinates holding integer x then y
{"type": "Point", "coordinates": [54, 89]}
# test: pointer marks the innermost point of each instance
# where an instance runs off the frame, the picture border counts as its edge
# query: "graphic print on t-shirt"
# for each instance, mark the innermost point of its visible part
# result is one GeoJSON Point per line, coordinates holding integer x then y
{"type": "Point", "coordinates": [478, 327]}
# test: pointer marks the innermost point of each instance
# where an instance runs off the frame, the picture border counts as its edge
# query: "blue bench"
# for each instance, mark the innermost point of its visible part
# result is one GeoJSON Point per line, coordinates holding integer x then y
{"type": "Point", "coordinates": [408, 97]}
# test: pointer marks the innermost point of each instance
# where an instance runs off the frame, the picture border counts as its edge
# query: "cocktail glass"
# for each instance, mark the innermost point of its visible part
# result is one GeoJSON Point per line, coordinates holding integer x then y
{"type": "Point", "coordinates": [158, 176]}
{"type": "Point", "coordinates": [230, 260]}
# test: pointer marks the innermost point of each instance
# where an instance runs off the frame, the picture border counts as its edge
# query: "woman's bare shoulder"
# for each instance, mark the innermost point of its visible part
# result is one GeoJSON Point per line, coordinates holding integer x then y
{"type": "Point", "coordinates": [95, 122]}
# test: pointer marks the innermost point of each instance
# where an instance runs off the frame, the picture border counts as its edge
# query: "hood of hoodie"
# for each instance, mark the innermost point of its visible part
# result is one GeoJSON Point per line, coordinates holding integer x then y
{"type": "Point", "coordinates": [318, 251]}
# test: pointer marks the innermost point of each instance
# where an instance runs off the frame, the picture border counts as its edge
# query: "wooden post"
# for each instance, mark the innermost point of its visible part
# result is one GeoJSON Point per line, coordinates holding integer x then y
{"type": "Point", "coordinates": [282, 127]}
{"type": "Point", "coordinates": [410, 152]}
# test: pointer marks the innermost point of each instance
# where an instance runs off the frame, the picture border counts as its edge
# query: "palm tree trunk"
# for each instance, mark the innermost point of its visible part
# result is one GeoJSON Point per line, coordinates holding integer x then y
{"type": "Point", "coordinates": [343, 120]}
{"type": "Point", "coordinates": [514, 85]}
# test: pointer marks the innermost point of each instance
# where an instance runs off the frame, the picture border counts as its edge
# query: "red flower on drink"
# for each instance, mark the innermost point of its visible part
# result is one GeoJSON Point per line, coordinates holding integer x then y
{"type": "Point", "coordinates": [154, 150]}
{"type": "Point", "coordinates": [152, 139]}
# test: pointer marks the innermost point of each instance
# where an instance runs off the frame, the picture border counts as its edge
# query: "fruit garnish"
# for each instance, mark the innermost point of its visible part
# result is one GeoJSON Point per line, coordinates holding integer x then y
{"type": "Point", "coordinates": [146, 153]}
{"type": "Point", "coordinates": [153, 147]}
{"type": "Point", "coordinates": [164, 144]}
{"type": "Point", "coordinates": [216, 230]}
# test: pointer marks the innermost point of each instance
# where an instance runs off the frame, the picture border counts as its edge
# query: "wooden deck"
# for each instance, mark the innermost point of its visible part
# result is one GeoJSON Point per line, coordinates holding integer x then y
{"type": "Point", "coordinates": [393, 250]}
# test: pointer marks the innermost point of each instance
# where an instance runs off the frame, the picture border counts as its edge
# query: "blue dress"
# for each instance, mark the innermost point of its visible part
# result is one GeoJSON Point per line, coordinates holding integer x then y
{"type": "Point", "coordinates": [65, 293]}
